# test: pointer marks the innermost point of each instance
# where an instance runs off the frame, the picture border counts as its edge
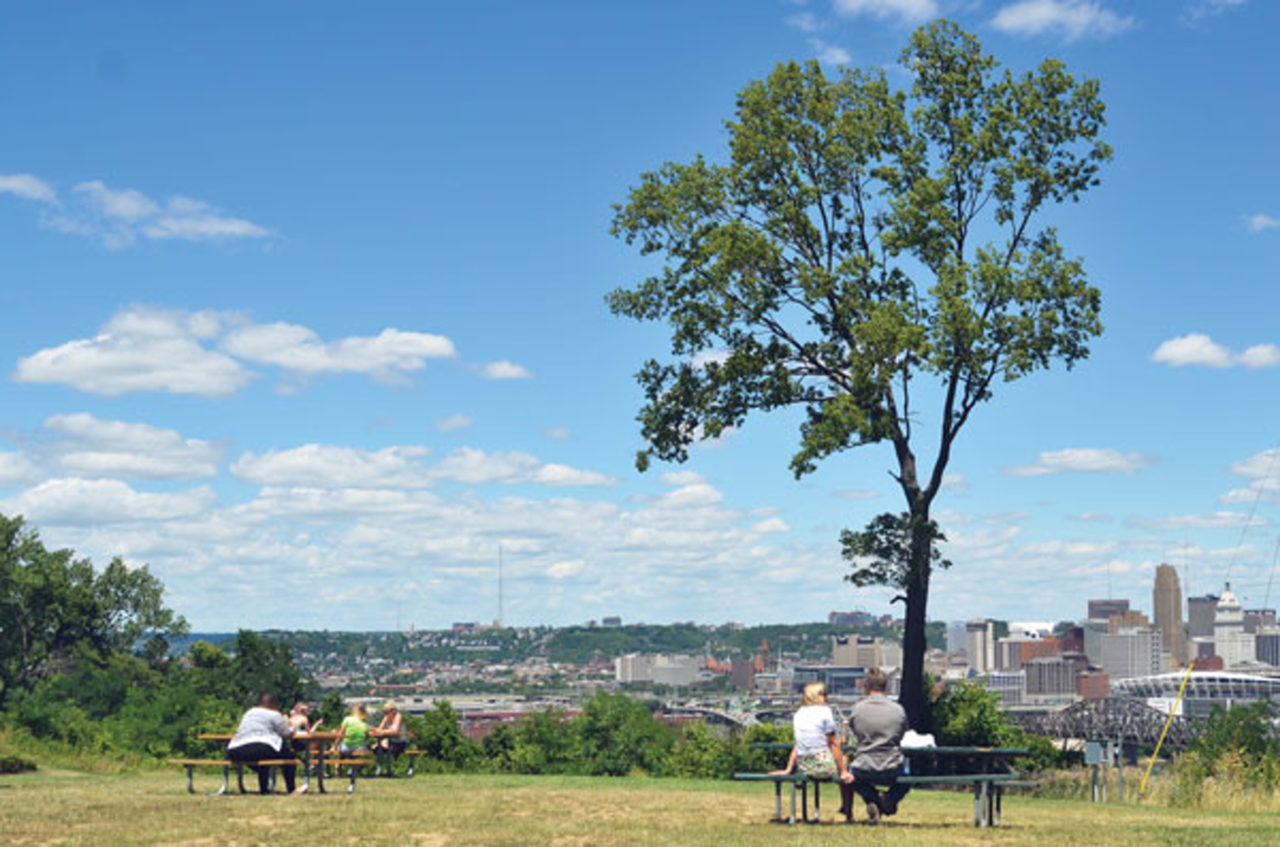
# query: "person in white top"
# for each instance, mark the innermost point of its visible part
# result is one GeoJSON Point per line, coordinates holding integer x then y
{"type": "Point", "coordinates": [261, 735]}
{"type": "Point", "coordinates": [817, 751]}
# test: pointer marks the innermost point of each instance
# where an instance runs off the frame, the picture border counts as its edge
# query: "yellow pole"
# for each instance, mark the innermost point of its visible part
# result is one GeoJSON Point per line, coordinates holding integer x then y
{"type": "Point", "coordinates": [1142, 788]}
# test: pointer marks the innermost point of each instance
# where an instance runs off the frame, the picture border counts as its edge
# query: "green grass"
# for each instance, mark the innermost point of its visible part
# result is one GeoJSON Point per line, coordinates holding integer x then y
{"type": "Point", "coordinates": [76, 808]}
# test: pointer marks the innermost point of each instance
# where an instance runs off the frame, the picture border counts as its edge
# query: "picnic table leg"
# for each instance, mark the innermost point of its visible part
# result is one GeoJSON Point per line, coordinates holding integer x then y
{"type": "Point", "coordinates": [804, 801]}
{"type": "Point", "coordinates": [999, 791]}
{"type": "Point", "coordinates": [240, 777]}
{"type": "Point", "coordinates": [793, 803]}
{"type": "Point", "coordinates": [320, 767]}
{"type": "Point", "coordinates": [817, 801]}
{"type": "Point", "coordinates": [226, 781]}
{"type": "Point", "coordinates": [977, 805]}
{"type": "Point", "coordinates": [986, 803]}
{"type": "Point", "coordinates": [777, 802]}
{"type": "Point", "coordinates": [412, 759]}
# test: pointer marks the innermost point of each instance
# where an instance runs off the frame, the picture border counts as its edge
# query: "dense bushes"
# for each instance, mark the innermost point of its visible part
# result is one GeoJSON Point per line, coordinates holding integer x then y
{"type": "Point", "coordinates": [1235, 761]}
{"type": "Point", "coordinates": [967, 715]}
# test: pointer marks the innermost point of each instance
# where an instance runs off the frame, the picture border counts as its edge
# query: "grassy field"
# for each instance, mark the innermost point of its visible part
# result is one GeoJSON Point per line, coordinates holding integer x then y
{"type": "Point", "coordinates": [73, 808]}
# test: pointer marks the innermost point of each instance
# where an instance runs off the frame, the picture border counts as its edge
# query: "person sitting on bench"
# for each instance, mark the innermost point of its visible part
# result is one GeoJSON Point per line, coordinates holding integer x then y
{"type": "Point", "coordinates": [878, 724]}
{"type": "Point", "coordinates": [395, 739]}
{"type": "Point", "coordinates": [817, 749]}
{"type": "Point", "coordinates": [353, 734]}
{"type": "Point", "coordinates": [261, 736]}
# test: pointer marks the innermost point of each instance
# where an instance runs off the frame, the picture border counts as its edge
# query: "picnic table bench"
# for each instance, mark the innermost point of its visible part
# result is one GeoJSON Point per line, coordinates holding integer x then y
{"type": "Point", "coordinates": [351, 761]}
{"type": "Point", "coordinates": [988, 784]}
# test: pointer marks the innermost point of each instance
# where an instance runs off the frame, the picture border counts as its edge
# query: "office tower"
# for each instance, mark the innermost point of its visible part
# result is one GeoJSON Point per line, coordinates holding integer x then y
{"type": "Point", "coordinates": [1268, 646]}
{"type": "Point", "coordinates": [1104, 609]}
{"type": "Point", "coordinates": [1130, 653]}
{"type": "Point", "coordinates": [1230, 641]}
{"type": "Point", "coordinates": [1167, 605]}
{"type": "Point", "coordinates": [1051, 676]}
{"type": "Point", "coordinates": [1094, 629]}
{"type": "Point", "coordinates": [1200, 614]}
{"type": "Point", "coordinates": [1132, 619]}
{"type": "Point", "coordinates": [957, 637]}
{"type": "Point", "coordinates": [981, 647]}
{"type": "Point", "coordinates": [1256, 620]}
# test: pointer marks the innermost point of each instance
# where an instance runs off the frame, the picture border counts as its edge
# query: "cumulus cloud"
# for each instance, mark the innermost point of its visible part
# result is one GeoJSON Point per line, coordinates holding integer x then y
{"type": "Point", "coordinates": [1201, 350]}
{"type": "Point", "coordinates": [327, 466]}
{"type": "Point", "coordinates": [858, 494]}
{"type": "Point", "coordinates": [556, 433]}
{"type": "Point", "coordinates": [321, 466]}
{"type": "Point", "coordinates": [1259, 222]}
{"type": "Point", "coordinates": [82, 502]}
{"type": "Point", "coordinates": [298, 350]}
{"type": "Point", "coordinates": [27, 187]}
{"type": "Point", "coordinates": [1213, 520]}
{"type": "Point", "coordinates": [902, 11]}
{"type": "Point", "coordinates": [118, 217]}
{"type": "Point", "coordinates": [209, 353]}
{"type": "Point", "coordinates": [1083, 460]}
{"type": "Point", "coordinates": [829, 54]}
{"type": "Point", "coordinates": [453, 422]}
{"type": "Point", "coordinates": [1198, 10]}
{"type": "Point", "coordinates": [85, 445]}
{"type": "Point", "coordinates": [17, 469]}
{"type": "Point", "coordinates": [1070, 20]}
{"type": "Point", "coordinates": [139, 350]}
{"type": "Point", "coordinates": [505, 370]}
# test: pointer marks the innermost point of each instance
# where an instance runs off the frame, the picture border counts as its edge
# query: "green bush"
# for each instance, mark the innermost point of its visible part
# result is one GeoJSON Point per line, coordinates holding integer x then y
{"type": "Point", "coordinates": [13, 763]}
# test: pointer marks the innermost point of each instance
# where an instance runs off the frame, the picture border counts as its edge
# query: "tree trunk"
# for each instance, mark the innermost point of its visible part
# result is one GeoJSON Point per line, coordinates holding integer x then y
{"type": "Point", "coordinates": [911, 693]}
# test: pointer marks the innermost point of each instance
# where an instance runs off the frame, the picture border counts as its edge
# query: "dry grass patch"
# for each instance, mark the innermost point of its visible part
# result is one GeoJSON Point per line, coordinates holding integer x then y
{"type": "Point", "coordinates": [439, 811]}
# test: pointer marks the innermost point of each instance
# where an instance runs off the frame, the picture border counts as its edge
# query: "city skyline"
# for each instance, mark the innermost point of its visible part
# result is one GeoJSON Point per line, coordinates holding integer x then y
{"type": "Point", "coordinates": [314, 325]}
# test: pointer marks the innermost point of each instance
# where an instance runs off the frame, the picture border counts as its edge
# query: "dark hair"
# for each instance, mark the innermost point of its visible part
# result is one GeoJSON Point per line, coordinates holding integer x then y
{"type": "Point", "coordinates": [875, 680]}
{"type": "Point", "coordinates": [267, 700]}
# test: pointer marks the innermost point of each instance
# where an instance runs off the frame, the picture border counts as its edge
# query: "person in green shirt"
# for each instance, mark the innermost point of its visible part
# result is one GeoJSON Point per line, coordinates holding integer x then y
{"type": "Point", "coordinates": [353, 735]}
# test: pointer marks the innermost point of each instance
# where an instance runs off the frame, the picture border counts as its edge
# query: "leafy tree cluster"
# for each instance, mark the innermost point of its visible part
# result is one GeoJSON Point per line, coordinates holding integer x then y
{"type": "Point", "coordinates": [968, 715]}
{"type": "Point", "coordinates": [84, 658]}
{"type": "Point", "coordinates": [1239, 750]}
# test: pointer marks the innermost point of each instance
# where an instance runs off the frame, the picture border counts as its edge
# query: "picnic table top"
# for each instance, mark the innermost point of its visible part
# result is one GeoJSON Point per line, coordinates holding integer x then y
{"type": "Point", "coordinates": [914, 751]}
{"type": "Point", "coordinates": [918, 779]}
{"type": "Point", "coordinates": [299, 736]}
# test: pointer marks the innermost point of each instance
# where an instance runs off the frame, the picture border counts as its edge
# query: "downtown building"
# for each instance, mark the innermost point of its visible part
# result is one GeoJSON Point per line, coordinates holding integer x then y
{"type": "Point", "coordinates": [1166, 605]}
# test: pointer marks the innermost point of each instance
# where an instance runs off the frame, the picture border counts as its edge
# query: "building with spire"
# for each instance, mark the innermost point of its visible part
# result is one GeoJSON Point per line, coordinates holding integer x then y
{"type": "Point", "coordinates": [1230, 641]}
{"type": "Point", "coordinates": [1167, 604]}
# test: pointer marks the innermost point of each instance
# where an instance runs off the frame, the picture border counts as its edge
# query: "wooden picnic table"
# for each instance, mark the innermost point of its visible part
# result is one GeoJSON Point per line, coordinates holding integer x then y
{"type": "Point", "coordinates": [321, 737]}
{"type": "Point", "coordinates": [988, 784]}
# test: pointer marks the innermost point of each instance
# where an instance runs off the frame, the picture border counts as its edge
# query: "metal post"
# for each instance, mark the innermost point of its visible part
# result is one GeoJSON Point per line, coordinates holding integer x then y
{"type": "Point", "coordinates": [1120, 769]}
{"type": "Point", "coordinates": [1093, 774]}
{"type": "Point", "coordinates": [777, 801]}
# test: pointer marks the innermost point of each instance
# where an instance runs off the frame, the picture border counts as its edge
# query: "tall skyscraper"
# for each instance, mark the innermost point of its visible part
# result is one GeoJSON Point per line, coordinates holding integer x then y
{"type": "Point", "coordinates": [1230, 641]}
{"type": "Point", "coordinates": [1167, 603]}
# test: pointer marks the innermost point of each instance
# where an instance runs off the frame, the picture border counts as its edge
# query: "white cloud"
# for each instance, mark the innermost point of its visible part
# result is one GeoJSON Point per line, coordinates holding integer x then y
{"type": "Point", "coordinates": [118, 217]}
{"type": "Point", "coordinates": [904, 11]}
{"type": "Point", "coordinates": [554, 474]}
{"type": "Point", "coordinates": [505, 370]}
{"type": "Point", "coordinates": [326, 466]}
{"type": "Point", "coordinates": [565, 569]}
{"type": "Point", "coordinates": [705, 357]}
{"type": "Point", "coordinates": [453, 422]}
{"type": "Point", "coordinates": [299, 350]}
{"type": "Point", "coordinates": [830, 54]}
{"type": "Point", "coordinates": [1072, 549]}
{"type": "Point", "coordinates": [1092, 517]}
{"type": "Point", "coordinates": [1199, 349]}
{"type": "Point", "coordinates": [805, 22]}
{"type": "Point", "coordinates": [1198, 10]}
{"type": "Point", "coordinates": [83, 502]}
{"type": "Point", "coordinates": [1083, 460]}
{"type": "Point", "coordinates": [1259, 465]}
{"type": "Point", "coordinates": [17, 469]}
{"type": "Point", "coordinates": [556, 433]}
{"type": "Point", "coordinates": [27, 187]}
{"type": "Point", "coordinates": [678, 478]}
{"type": "Point", "coordinates": [858, 494]}
{"type": "Point", "coordinates": [139, 350]}
{"type": "Point", "coordinates": [470, 466]}
{"type": "Point", "coordinates": [207, 353]}
{"type": "Point", "coordinates": [1214, 520]}
{"type": "Point", "coordinates": [1259, 222]}
{"type": "Point", "coordinates": [771, 525]}
{"type": "Point", "coordinates": [90, 446]}
{"type": "Point", "coordinates": [954, 481]}
{"type": "Point", "coordinates": [1070, 20]}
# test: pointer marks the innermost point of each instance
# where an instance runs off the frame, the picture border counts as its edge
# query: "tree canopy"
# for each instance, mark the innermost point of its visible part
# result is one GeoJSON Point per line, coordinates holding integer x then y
{"type": "Point", "coordinates": [872, 257]}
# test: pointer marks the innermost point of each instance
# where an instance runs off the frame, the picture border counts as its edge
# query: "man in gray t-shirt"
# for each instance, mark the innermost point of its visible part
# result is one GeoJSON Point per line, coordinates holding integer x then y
{"type": "Point", "coordinates": [878, 725]}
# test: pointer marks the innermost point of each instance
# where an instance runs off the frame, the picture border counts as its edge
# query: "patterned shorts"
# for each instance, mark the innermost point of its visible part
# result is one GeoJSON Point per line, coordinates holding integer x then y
{"type": "Point", "coordinates": [819, 765]}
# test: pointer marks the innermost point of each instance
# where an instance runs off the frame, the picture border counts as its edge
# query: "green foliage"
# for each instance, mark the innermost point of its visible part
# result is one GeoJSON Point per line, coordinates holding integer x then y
{"type": "Point", "coordinates": [331, 711]}
{"type": "Point", "coordinates": [1239, 751]}
{"type": "Point", "coordinates": [57, 611]}
{"type": "Point", "coordinates": [13, 763]}
{"type": "Point", "coordinates": [619, 736]}
{"type": "Point", "coordinates": [967, 715]}
{"type": "Point", "coordinates": [545, 743]}
{"type": "Point", "coordinates": [702, 754]}
{"type": "Point", "coordinates": [881, 554]}
{"type": "Point", "coordinates": [437, 734]}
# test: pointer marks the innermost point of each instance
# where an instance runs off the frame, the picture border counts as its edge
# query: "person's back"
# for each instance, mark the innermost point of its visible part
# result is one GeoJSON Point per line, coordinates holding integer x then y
{"type": "Point", "coordinates": [878, 725]}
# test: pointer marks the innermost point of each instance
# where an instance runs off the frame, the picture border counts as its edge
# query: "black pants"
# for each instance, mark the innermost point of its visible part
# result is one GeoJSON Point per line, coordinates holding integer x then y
{"type": "Point", "coordinates": [249, 753]}
{"type": "Point", "coordinates": [865, 782]}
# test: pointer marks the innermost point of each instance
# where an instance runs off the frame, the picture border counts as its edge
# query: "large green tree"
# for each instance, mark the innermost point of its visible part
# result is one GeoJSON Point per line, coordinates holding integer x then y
{"type": "Point", "coordinates": [57, 610]}
{"type": "Point", "coordinates": [875, 257]}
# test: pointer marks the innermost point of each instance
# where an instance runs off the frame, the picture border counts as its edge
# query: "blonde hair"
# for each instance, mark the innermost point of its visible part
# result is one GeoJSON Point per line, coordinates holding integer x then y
{"type": "Point", "coordinates": [360, 712]}
{"type": "Point", "coordinates": [813, 693]}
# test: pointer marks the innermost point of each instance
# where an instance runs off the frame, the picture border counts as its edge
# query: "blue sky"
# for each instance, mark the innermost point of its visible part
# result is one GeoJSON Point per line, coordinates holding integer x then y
{"type": "Point", "coordinates": [303, 306]}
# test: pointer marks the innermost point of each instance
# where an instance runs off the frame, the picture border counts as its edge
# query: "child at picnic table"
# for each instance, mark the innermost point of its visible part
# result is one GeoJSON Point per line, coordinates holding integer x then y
{"type": "Point", "coordinates": [353, 735]}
